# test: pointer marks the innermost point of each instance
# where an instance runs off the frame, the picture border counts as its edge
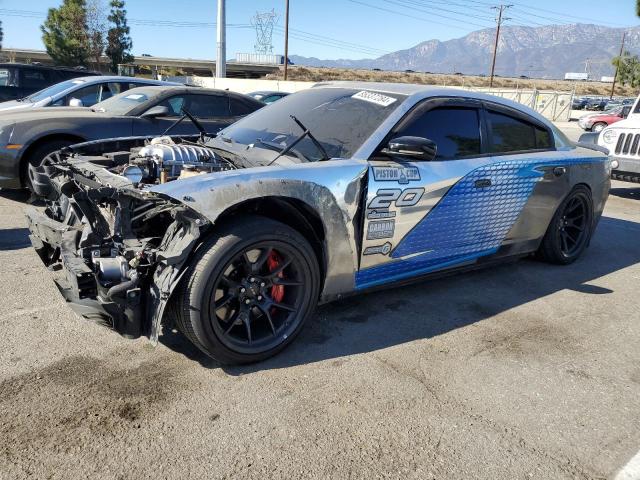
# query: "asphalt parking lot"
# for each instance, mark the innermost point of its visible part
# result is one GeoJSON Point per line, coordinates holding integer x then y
{"type": "Point", "coordinates": [522, 371]}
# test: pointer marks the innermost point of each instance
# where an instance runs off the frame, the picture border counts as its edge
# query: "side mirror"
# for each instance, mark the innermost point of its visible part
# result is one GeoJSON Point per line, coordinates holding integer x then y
{"type": "Point", "coordinates": [157, 111]}
{"type": "Point", "coordinates": [412, 147]}
{"type": "Point", "coordinates": [76, 102]}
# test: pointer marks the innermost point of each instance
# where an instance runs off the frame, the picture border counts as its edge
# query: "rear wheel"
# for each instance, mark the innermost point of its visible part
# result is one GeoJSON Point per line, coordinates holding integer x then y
{"type": "Point", "coordinates": [569, 232]}
{"type": "Point", "coordinates": [249, 291]}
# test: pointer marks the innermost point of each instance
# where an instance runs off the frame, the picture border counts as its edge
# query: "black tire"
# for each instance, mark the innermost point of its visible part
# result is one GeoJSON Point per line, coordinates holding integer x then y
{"type": "Point", "coordinates": [598, 127]}
{"type": "Point", "coordinates": [570, 229]}
{"type": "Point", "coordinates": [38, 156]}
{"type": "Point", "coordinates": [234, 304]}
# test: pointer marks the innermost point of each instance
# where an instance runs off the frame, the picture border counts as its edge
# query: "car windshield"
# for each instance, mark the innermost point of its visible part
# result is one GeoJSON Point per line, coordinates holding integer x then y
{"type": "Point", "coordinates": [54, 90]}
{"type": "Point", "coordinates": [123, 103]}
{"type": "Point", "coordinates": [341, 119]}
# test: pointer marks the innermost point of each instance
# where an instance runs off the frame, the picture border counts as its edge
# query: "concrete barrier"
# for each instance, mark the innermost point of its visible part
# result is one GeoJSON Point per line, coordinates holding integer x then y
{"type": "Point", "coordinates": [242, 85]}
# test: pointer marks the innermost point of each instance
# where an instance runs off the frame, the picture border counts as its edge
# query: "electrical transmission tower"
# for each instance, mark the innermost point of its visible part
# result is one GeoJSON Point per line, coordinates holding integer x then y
{"type": "Point", "coordinates": [264, 23]}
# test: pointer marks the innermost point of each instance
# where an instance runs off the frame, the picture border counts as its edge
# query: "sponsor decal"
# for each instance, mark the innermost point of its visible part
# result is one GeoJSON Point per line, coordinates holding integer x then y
{"type": "Point", "coordinates": [385, 197]}
{"type": "Point", "coordinates": [379, 214]}
{"type": "Point", "coordinates": [402, 175]}
{"type": "Point", "coordinates": [374, 97]}
{"type": "Point", "coordinates": [381, 229]}
{"type": "Point", "coordinates": [378, 249]}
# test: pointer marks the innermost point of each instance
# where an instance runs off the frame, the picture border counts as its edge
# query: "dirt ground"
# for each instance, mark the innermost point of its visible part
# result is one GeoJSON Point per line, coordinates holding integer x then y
{"type": "Point", "coordinates": [521, 371]}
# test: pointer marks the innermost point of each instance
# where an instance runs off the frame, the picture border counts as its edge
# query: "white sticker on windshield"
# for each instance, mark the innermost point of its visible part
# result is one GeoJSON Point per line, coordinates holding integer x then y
{"type": "Point", "coordinates": [135, 96]}
{"type": "Point", "coordinates": [374, 97]}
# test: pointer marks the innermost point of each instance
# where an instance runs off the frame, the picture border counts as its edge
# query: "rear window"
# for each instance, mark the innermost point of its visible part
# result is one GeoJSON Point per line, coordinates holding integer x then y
{"type": "Point", "coordinates": [510, 134]}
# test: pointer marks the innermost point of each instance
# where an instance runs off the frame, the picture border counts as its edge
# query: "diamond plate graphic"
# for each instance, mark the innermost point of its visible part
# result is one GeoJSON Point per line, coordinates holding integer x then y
{"type": "Point", "coordinates": [469, 221]}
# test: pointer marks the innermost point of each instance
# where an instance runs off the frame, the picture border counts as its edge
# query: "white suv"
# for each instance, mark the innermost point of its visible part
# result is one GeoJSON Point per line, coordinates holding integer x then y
{"type": "Point", "coordinates": [622, 141]}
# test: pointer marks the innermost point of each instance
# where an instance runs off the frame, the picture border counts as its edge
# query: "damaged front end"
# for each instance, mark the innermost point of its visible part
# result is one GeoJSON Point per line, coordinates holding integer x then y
{"type": "Point", "coordinates": [117, 249]}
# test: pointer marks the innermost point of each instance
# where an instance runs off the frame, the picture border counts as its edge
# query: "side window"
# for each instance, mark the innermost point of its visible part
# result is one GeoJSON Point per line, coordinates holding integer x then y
{"type": "Point", "coordinates": [238, 107]}
{"type": "Point", "coordinates": [510, 134]}
{"type": "Point", "coordinates": [174, 104]}
{"type": "Point", "coordinates": [8, 77]}
{"type": "Point", "coordinates": [625, 111]}
{"type": "Point", "coordinates": [455, 130]}
{"type": "Point", "coordinates": [109, 90]}
{"type": "Point", "coordinates": [87, 95]}
{"type": "Point", "coordinates": [206, 106]}
{"type": "Point", "coordinates": [35, 79]}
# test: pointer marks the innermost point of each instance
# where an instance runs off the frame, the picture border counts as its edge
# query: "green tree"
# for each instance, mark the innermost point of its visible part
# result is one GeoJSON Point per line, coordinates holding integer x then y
{"type": "Point", "coordinates": [96, 29]}
{"type": "Point", "coordinates": [64, 33]}
{"type": "Point", "coordinates": [628, 67]}
{"type": "Point", "coordinates": [118, 40]}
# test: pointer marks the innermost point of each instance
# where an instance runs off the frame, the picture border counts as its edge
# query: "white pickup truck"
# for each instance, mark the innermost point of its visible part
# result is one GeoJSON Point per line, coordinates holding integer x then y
{"type": "Point", "coordinates": [622, 141]}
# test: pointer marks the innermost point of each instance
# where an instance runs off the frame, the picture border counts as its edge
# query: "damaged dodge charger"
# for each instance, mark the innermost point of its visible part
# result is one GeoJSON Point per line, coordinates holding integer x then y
{"type": "Point", "coordinates": [338, 189]}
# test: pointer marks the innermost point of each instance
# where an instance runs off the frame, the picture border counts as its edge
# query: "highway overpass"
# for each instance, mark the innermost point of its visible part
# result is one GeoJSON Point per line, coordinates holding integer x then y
{"type": "Point", "coordinates": [189, 66]}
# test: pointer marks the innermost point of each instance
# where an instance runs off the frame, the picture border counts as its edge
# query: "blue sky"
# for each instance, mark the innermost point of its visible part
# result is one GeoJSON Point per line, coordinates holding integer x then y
{"type": "Point", "coordinates": [320, 28]}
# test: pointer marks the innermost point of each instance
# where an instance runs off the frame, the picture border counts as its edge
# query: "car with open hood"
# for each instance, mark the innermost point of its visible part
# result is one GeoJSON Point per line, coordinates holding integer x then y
{"type": "Point", "coordinates": [335, 190]}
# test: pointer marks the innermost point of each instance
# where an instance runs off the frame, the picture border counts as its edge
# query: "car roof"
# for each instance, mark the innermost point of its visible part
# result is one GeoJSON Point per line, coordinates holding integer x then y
{"type": "Point", "coordinates": [419, 92]}
{"type": "Point", "coordinates": [181, 88]}
{"type": "Point", "coordinates": [268, 92]}
{"type": "Point", "coordinates": [122, 78]}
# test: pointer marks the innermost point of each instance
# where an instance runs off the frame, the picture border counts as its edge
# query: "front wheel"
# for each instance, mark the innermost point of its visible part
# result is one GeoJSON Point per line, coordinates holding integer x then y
{"type": "Point", "coordinates": [570, 229]}
{"type": "Point", "coordinates": [598, 127]}
{"type": "Point", "coordinates": [248, 291]}
{"type": "Point", "coordinates": [42, 155]}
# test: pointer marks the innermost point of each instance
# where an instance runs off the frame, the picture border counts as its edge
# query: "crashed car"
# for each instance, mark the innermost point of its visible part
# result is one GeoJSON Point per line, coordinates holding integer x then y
{"type": "Point", "coordinates": [335, 190]}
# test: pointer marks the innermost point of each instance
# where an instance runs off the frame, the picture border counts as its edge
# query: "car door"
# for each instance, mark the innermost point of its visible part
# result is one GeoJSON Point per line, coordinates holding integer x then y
{"type": "Point", "coordinates": [423, 216]}
{"type": "Point", "coordinates": [211, 109]}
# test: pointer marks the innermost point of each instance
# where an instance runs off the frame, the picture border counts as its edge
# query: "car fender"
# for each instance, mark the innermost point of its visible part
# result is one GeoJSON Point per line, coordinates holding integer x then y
{"type": "Point", "coordinates": [332, 189]}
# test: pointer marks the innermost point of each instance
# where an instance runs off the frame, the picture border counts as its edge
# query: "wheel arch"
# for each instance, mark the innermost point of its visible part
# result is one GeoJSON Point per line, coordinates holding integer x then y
{"type": "Point", "coordinates": [293, 212]}
{"type": "Point", "coordinates": [40, 141]}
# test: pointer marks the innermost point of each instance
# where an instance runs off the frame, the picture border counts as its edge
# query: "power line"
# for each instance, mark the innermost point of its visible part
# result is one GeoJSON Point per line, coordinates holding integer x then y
{"type": "Point", "coordinates": [403, 3]}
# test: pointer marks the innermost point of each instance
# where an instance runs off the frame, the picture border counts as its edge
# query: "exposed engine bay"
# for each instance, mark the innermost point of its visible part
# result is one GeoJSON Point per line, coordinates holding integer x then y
{"type": "Point", "coordinates": [163, 160]}
{"type": "Point", "coordinates": [120, 246]}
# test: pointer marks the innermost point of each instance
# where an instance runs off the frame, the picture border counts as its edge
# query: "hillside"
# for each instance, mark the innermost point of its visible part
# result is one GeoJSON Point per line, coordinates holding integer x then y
{"type": "Point", "coordinates": [542, 52]}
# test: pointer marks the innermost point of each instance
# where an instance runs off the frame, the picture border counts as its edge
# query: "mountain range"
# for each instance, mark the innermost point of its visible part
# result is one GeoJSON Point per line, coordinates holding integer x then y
{"type": "Point", "coordinates": [543, 52]}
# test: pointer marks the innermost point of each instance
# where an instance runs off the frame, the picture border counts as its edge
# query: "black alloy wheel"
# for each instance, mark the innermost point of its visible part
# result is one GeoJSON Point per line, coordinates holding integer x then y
{"type": "Point", "coordinates": [573, 226]}
{"type": "Point", "coordinates": [248, 291]}
{"type": "Point", "coordinates": [255, 302]}
{"type": "Point", "coordinates": [570, 229]}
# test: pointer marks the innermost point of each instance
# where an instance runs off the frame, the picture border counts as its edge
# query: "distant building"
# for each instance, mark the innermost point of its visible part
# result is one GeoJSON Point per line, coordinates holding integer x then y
{"type": "Point", "coordinates": [576, 76]}
{"type": "Point", "coordinates": [607, 79]}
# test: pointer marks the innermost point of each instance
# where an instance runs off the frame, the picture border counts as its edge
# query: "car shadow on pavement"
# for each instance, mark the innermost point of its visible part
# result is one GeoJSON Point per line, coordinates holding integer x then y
{"type": "Point", "coordinates": [430, 308]}
{"type": "Point", "coordinates": [14, 238]}
{"type": "Point", "coordinates": [630, 193]}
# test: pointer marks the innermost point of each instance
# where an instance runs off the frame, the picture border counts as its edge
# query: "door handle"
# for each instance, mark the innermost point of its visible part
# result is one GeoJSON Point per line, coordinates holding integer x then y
{"type": "Point", "coordinates": [482, 183]}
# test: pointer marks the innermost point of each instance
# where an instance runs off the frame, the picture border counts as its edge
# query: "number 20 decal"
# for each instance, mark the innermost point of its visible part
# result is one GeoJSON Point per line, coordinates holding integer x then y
{"type": "Point", "coordinates": [385, 197]}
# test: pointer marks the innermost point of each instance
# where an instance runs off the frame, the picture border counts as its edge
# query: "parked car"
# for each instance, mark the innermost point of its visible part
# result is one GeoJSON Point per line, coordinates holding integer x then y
{"type": "Point", "coordinates": [596, 104]}
{"type": "Point", "coordinates": [17, 80]}
{"type": "Point", "coordinates": [596, 122]}
{"type": "Point", "coordinates": [336, 190]}
{"type": "Point", "coordinates": [28, 136]}
{"type": "Point", "coordinates": [579, 103]}
{"type": "Point", "coordinates": [79, 92]}
{"type": "Point", "coordinates": [266, 96]}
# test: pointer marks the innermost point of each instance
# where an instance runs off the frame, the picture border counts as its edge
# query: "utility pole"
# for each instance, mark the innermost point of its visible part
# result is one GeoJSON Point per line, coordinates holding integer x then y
{"type": "Point", "coordinates": [499, 20]}
{"type": "Point", "coordinates": [221, 59]}
{"type": "Point", "coordinates": [615, 77]}
{"type": "Point", "coordinates": [286, 38]}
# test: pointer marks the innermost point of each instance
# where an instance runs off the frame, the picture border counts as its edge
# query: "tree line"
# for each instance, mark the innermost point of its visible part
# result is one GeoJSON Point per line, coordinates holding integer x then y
{"type": "Point", "coordinates": [80, 32]}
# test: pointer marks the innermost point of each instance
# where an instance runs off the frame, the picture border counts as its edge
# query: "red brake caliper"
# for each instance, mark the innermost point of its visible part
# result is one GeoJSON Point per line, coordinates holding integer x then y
{"type": "Point", "coordinates": [277, 291]}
